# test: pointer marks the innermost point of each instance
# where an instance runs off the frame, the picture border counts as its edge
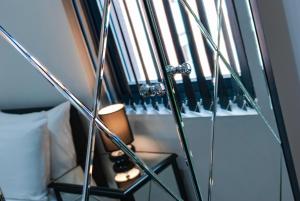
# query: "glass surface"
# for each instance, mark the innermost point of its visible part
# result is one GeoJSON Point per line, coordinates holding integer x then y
{"type": "Point", "coordinates": [160, 162]}
{"type": "Point", "coordinates": [228, 153]}
{"type": "Point", "coordinates": [242, 158]}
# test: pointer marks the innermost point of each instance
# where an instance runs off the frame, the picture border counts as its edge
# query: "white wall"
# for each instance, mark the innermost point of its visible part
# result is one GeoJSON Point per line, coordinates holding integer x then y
{"type": "Point", "coordinates": [247, 160]}
{"type": "Point", "coordinates": [280, 21]}
{"type": "Point", "coordinates": [45, 30]}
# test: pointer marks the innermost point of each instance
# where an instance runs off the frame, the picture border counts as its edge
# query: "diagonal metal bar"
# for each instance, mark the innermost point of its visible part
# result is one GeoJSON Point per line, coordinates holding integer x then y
{"type": "Point", "coordinates": [88, 170]}
{"type": "Point", "coordinates": [201, 80]}
{"type": "Point", "coordinates": [169, 83]}
{"type": "Point", "coordinates": [163, 57]}
{"type": "Point", "coordinates": [215, 104]}
{"type": "Point", "coordinates": [235, 76]}
{"type": "Point", "coordinates": [137, 84]}
{"type": "Point", "coordinates": [57, 84]}
{"type": "Point", "coordinates": [223, 90]}
{"type": "Point", "coordinates": [175, 37]}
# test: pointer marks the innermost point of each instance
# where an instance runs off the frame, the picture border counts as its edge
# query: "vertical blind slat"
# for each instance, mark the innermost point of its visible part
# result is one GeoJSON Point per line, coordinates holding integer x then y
{"type": "Point", "coordinates": [164, 59]}
{"type": "Point", "coordinates": [127, 66]}
{"type": "Point", "coordinates": [94, 21]}
{"type": "Point", "coordinates": [222, 92]}
{"type": "Point", "coordinates": [245, 71]}
{"type": "Point", "coordinates": [188, 88]}
{"type": "Point", "coordinates": [201, 80]}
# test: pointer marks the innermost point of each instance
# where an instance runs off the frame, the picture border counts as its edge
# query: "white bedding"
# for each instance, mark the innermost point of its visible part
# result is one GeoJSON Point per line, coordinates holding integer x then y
{"type": "Point", "coordinates": [34, 148]}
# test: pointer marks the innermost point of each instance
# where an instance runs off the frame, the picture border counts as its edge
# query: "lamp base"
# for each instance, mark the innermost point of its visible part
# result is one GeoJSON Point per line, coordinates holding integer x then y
{"type": "Point", "coordinates": [128, 175]}
{"type": "Point", "coordinates": [119, 153]}
{"type": "Point", "coordinates": [125, 169]}
{"type": "Point", "coordinates": [122, 162]}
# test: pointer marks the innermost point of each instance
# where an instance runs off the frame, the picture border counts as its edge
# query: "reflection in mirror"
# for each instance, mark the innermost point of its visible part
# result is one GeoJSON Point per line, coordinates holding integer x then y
{"type": "Point", "coordinates": [157, 90]}
{"type": "Point", "coordinates": [196, 60]}
{"type": "Point", "coordinates": [267, 158]}
{"type": "Point", "coordinates": [233, 73]}
{"type": "Point", "coordinates": [88, 114]}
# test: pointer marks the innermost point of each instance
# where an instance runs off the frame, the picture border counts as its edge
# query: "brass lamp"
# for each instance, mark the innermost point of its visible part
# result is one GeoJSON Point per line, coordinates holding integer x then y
{"type": "Point", "coordinates": [115, 118]}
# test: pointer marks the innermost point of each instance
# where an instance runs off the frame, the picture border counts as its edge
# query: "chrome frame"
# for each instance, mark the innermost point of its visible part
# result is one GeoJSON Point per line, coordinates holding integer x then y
{"type": "Point", "coordinates": [215, 103]}
{"type": "Point", "coordinates": [2, 198]}
{"type": "Point", "coordinates": [58, 85]}
{"type": "Point", "coordinates": [233, 73]}
{"type": "Point", "coordinates": [175, 109]}
{"type": "Point", "coordinates": [88, 171]}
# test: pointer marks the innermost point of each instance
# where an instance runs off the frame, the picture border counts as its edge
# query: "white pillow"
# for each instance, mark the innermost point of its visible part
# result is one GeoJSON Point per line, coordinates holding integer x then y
{"type": "Point", "coordinates": [24, 160]}
{"type": "Point", "coordinates": [63, 155]}
{"type": "Point", "coordinates": [6, 118]}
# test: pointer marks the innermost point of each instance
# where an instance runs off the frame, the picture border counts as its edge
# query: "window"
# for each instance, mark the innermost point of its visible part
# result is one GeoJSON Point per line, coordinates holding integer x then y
{"type": "Point", "coordinates": [136, 57]}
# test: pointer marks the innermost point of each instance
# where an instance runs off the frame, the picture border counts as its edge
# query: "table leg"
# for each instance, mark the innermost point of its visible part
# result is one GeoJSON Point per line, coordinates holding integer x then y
{"type": "Point", "coordinates": [128, 198]}
{"type": "Point", "coordinates": [179, 180]}
{"type": "Point", "coordinates": [58, 196]}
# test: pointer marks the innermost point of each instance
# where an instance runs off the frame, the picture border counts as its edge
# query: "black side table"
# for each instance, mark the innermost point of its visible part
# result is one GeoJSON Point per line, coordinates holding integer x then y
{"type": "Point", "coordinates": [72, 181]}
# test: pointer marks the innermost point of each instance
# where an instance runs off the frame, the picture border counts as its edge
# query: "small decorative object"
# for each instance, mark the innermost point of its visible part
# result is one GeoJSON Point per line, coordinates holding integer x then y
{"type": "Point", "coordinates": [151, 90]}
{"type": "Point", "coordinates": [115, 118]}
{"type": "Point", "coordinates": [1, 196]}
{"type": "Point", "coordinates": [184, 69]}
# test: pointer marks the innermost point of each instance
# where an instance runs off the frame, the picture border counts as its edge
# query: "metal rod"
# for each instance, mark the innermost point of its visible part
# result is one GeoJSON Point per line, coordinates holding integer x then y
{"type": "Point", "coordinates": [134, 34]}
{"type": "Point", "coordinates": [187, 84]}
{"type": "Point", "coordinates": [215, 104]}
{"type": "Point", "coordinates": [240, 46]}
{"type": "Point", "coordinates": [235, 76]}
{"type": "Point", "coordinates": [97, 93]}
{"type": "Point", "coordinates": [142, 99]}
{"type": "Point", "coordinates": [237, 94]}
{"type": "Point", "coordinates": [171, 92]}
{"type": "Point", "coordinates": [159, 43]}
{"type": "Point", "coordinates": [149, 40]}
{"type": "Point", "coordinates": [140, 9]}
{"type": "Point", "coordinates": [57, 84]}
{"type": "Point", "coordinates": [201, 80]}
{"type": "Point", "coordinates": [223, 92]}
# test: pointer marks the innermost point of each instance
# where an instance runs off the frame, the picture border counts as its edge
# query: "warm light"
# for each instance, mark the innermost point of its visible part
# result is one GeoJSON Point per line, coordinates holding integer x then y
{"type": "Point", "coordinates": [119, 153]}
{"type": "Point", "coordinates": [110, 109]}
{"type": "Point", "coordinates": [115, 119]}
{"type": "Point", "coordinates": [126, 176]}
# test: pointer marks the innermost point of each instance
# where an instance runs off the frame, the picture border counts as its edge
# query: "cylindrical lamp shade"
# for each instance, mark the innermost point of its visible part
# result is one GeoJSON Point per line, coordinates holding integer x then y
{"type": "Point", "coordinates": [115, 119]}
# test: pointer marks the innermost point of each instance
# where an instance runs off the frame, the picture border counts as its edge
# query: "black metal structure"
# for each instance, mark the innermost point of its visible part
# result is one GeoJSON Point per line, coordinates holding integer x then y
{"type": "Point", "coordinates": [126, 191]}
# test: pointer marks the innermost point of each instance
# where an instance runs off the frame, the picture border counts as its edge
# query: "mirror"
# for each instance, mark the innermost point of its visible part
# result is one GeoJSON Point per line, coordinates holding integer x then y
{"type": "Point", "coordinates": [178, 37]}
{"type": "Point", "coordinates": [198, 121]}
{"type": "Point", "coordinates": [137, 105]}
{"type": "Point", "coordinates": [238, 153]}
{"type": "Point", "coordinates": [161, 161]}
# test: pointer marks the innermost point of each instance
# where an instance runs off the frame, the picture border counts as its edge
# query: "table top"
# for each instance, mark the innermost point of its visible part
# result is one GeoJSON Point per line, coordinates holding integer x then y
{"type": "Point", "coordinates": [72, 180]}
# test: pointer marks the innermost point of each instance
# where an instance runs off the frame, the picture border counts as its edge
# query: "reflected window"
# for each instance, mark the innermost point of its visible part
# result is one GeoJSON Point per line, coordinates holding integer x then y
{"type": "Point", "coordinates": [140, 57]}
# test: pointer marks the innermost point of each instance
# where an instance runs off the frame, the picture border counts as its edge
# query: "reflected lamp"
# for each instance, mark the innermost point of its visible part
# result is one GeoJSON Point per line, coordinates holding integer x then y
{"type": "Point", "coordinates": [115, 119]}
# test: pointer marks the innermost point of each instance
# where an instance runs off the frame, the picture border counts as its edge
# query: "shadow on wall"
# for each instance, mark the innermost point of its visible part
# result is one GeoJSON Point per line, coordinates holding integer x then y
{"type": "Point", "coordinates": [50, 38]}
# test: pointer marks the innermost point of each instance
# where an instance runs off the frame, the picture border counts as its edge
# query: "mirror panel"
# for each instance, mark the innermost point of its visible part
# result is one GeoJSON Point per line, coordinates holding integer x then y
{"type": "Point", "coordinates": [229, 149]}
{"type": "Point", "coordinates": [198, 121]}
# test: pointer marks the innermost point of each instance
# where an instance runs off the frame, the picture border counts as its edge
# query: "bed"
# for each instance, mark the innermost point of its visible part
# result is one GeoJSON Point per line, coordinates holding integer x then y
{"type": "Point", "coordinates": [79, 139]}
